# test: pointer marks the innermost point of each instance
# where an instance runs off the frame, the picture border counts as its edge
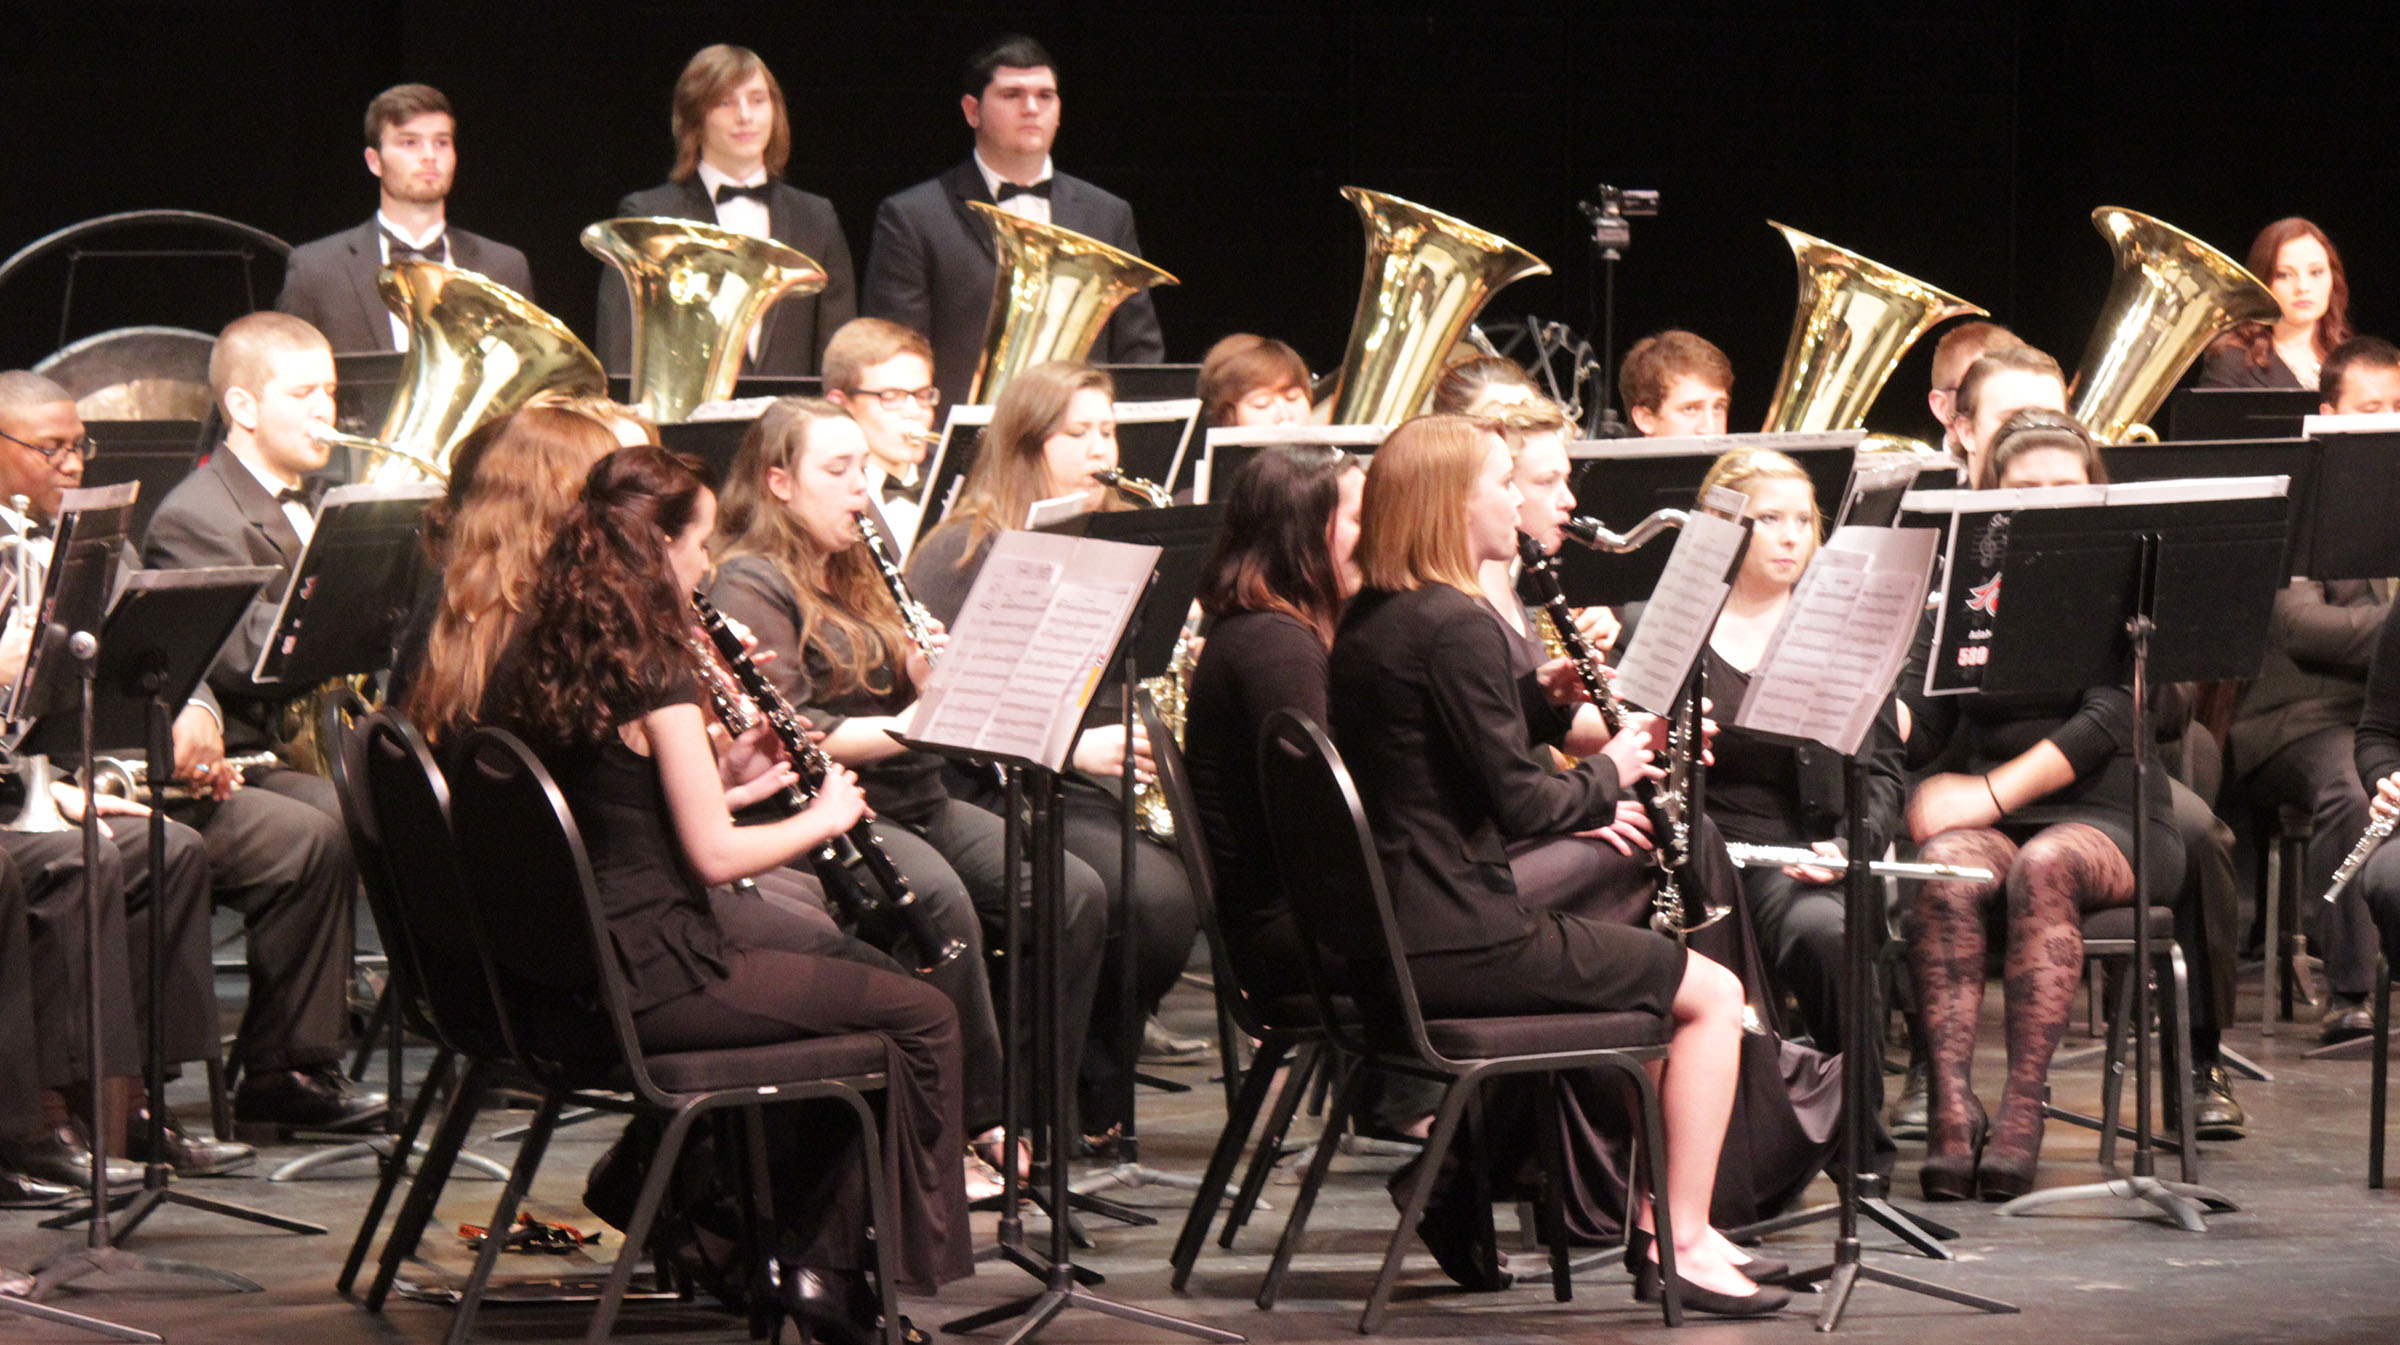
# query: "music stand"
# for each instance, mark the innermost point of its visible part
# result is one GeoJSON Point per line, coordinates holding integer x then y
{"type": "Point", "coordinates": [947, 465]}
{"type": "Point", "coordinates": [2235, 413]}
{"type": "Point", "coordinates": [2168, 581]}
{"type": "Point", "coordinates": [1184, 534]}
{"type": "Point", "coordinates": [161, 636]}
{"type": "Point", "coordinates": [1225, 449]}
{"type": "Point", "coordinates": [1153, 438]}
{"type": "Point", "coordinates": [1146, 382]}
{"type": "Point", "coordinates": [1010, 691]}
{"type": "Point", "coordinates": [157, 453]}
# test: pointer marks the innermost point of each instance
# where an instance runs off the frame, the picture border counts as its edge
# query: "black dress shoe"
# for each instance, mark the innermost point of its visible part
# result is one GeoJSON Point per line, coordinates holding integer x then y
{"type": "Point", "coordinates": [822, 1304]}
{"type": "Point", "coordinates": [187, 1153]}
{"type": "Point", "coordinates": [20, 1192]}
{"type": "Point", "coordinates": [62, 1158]}
{"type": "Point", "coordinates": [271, 1105]}
{"type": "Point", "coordinates": [2346, 1019]}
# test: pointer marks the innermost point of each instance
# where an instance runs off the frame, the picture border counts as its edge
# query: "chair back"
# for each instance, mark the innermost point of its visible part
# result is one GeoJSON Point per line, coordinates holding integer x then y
{"type": "Point", "coordinates": [1332, 876]}
{"type": "Point", "coordinates": [553, 962]}
{"type": "Point", "coordinates": [345, 767]}
{"type": "Point", "coordinates": [397, 807]}
{"type": "Point", "coordinates": [1191, 846]}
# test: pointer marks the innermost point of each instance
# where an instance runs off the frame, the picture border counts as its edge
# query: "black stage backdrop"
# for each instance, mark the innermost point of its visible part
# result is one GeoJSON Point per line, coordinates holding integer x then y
{"type": "Point", "coordinates": [1965, 144]}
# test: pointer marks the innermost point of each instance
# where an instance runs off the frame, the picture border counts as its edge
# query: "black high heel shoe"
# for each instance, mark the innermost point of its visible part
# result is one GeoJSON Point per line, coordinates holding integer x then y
{"type": "Point", "coordinates": [838, 1308]}
{"type": "Point", "coordinates": [1952, 1176]}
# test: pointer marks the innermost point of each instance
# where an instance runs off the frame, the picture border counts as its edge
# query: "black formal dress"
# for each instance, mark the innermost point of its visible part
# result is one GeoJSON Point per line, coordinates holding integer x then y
{"type": "Point", "coordinates": [276, 849]}
{"type": "Point", "coordinates": [931, 263]}
{"type": "Point", "coordinates": [949, 850]}
{"type": "Point", "coordinates": [2229, 366]}
{"type": "Point", "coordinates": [793, 334]}
{"type": "Point", "coordinates": [1169, 917]}
{"type": "Point", "coordinates": [696, 981]}
{"type": "Point", "coordinates": [329, 282]}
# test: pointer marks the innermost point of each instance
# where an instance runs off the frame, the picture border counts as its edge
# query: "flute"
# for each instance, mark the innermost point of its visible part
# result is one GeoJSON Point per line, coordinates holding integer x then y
{"type": "Point", "coordinates": [1795, 856]}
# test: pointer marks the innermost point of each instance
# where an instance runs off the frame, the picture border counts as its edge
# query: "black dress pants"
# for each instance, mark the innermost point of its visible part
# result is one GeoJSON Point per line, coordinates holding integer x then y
{"type": "Point", "coordinates": [2320, 773]}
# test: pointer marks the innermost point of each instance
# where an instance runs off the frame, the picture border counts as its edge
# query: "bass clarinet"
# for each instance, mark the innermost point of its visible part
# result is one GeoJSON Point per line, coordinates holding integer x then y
{"type": "Point", "coordinates": [841, 861]}
{"type": "Point", "coordinates": [1669, 807]}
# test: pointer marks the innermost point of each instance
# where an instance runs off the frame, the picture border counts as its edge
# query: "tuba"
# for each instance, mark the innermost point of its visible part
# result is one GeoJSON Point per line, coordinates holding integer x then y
{"type": "Point", "coordinates": [2172, 295]}
{"type": "Point", "coordinates": [1856, 319]}
{"type": "Point", "coordinates": [477, 350]}
{"type": "Point", "coordinates": [696, 292]}
{"type": "Point", "coordinates": [1427, 277]}
{"type": "Point", "coordinates": [1052, 292]}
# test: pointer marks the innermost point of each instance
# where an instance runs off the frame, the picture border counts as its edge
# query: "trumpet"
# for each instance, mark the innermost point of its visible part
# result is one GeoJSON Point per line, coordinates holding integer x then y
{"type": "Point", "coordinates": [2379, 829]}
{"type": "Point", "coordinates": [1669, 805]}
{"type": "Point", "coordinates": [129, 777]}
{"type": "Point", "coordinates": [1147, 494]}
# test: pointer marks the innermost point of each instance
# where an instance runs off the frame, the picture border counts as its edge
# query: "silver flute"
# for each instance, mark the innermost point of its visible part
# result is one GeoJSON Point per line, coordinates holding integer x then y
{"type": "Point", "coordinates": [1779, 856]}
{"type": "Point", "coordinates": [2378, 827]}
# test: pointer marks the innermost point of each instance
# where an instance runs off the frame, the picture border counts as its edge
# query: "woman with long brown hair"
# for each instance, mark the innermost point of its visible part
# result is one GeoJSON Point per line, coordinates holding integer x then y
{"type": "Point", "coordinates": [1052, 430]}
{"type": "Point", "coordinates": [1433, 721]}
{"type": "Point", "coordinates": [600, 679]}
{"type": "Point", "coordinates": [2300, 265]}
{"type": "Point", "coordinates": [792, 568]}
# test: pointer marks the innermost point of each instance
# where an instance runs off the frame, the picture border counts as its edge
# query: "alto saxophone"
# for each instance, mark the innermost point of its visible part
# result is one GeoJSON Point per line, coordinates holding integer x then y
{"type": "Point", "coordinates": [1166, 691]}
{"type": "Point", "coordinates": [1672, 825]}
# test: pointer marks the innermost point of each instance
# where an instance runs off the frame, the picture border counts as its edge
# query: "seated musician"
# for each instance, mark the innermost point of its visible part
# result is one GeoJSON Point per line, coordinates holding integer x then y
{"type": "Point", "coordinates": [1052, 428]}
{"type": "Point", "coordinates": [1770, 793]}
{"type": "Point", "coordinates": [2312, 293]}
{"type": "Point", "coordinates": [2044, 798]}
{"type": "Point", "coordinates": [882, 374]}
{"type": "Point", "coordinates": [1427, 709]}
{"type": "Point", "coordinates": [2001, 382]}
{"type": "Point", "coordinates": [1676, 383]}
{"type": "Point", "coordinates": [600, 678]}
{"type": "Point", "coordinates": [1959, 348]}
{"type": "Point", "coordinates": [732, 141]}
{"type": "Point", "coordinates": [2293, 736]}
{"type": "Point", "coordinates": [793, 570]}
{"type": "Point", "coordinates": [1253, 380]}
{"type": "Point", "coordinates": [1480, 386]}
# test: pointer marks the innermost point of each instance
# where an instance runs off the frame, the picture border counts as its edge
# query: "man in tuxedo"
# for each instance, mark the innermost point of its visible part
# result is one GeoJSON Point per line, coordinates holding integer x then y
{"type": "Point", "coordinates": [732, 142]}
{"type": "Point", "coordinates": [1676, 383]}
{"type": "Point", "coordinates": [882, 374]}
{"type": "Point", "coordinates": [275, 846]}
{"type": "Point", "coordinates": [412, 150]}
{"type": "Point", "coordinates": [1958, 349]}
{"type": "Point", "coordinates": [930, 266]}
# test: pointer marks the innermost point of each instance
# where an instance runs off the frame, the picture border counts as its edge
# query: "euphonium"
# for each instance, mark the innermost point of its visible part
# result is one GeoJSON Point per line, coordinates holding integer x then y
{"type": "Point", "coordinates": [1052, 292]}
{"type": "Point", "coordinates": [696, 291]}
{"type": "Point", "coordinates": [26, 575]}
{"type": "Point", "coordinates": [2172, 295]}
{"type": "Point", "coordinates": [477, 350]}
{"type": "Point", "coordinates": [1856, 319]}
{"type": "Point", "coordinates": [1427, 276]}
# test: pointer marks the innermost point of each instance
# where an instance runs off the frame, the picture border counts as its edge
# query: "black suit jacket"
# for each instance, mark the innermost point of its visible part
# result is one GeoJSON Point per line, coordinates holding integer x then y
{"type": "Point", "coordinates": [2319, 645]}
{"type": "Point", "coordinates": [330, 283]}
{"type": "Point", "coordinates": [794, 331]}
{"type": "Point", "coordinates": [1434, 727]}
{"type": "Point", "coordinates": [931, 263]}
{"type": "Point", "coordinates": [221, 515]}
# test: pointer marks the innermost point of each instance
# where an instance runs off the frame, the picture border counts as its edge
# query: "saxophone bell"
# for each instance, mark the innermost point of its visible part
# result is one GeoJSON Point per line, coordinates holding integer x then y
{"type": "Point", "coordinates": [1593, 535]}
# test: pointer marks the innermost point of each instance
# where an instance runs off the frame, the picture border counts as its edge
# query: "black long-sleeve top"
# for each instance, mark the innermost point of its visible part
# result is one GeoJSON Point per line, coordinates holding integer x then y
{"type": "Point", "coordinates": [1254, 664]}
{"type": "Point", "coordinates": [2378, 750]}
{"type": "Point", "coordinates": [1434, 727]}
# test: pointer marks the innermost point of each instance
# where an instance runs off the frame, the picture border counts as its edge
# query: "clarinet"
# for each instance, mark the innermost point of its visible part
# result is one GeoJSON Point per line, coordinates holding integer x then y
{"type": "Point", "coordinates": [842, 859]}
{"type": "Point", "coordinates": [913, 615]}
{"type": "Point", "coordinates": [1670, 822]}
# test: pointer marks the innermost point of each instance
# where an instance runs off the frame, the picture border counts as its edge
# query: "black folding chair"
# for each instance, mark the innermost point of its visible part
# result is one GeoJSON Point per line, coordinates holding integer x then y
{"type": "Point", "coordinates": [563, 997]}
{"type": "Point", "coordinates": [1283, 1029]}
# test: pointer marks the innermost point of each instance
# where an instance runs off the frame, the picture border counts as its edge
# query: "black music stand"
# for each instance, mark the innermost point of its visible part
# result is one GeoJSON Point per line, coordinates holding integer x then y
{"type": "Point", "coordinates": [946, 466]}
{"type": "Point", "coordinates": [1184, 534]}
{"type": "Point", "coordinates": [163, 632]}
{"type": "Point", "coordinates": [2176, 590]}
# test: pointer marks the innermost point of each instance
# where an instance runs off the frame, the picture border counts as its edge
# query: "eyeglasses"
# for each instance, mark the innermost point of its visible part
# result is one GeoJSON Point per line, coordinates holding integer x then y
{"type": "Point", "coordinates": [891, 398]}
{"type": "Point", "coordinates": [83, 448]}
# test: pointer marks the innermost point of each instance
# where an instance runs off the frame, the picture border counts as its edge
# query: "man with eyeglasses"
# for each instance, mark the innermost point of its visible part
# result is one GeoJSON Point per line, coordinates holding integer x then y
{"type": "Point", "coordinates": [931, 263]}
{"type": "Point", "coordinates": [43, 448]}
{"type": "Point", "coordinates": [882, 374]}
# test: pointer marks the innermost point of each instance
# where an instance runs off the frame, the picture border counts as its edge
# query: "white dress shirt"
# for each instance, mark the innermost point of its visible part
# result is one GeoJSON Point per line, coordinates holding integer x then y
{"type": "Point", "coordinates": [1035, 208]}
{"type": "Point", "coordinates": [900, 512]}
{"type": "Point", "coordinates": [302, 519]}
{"type": "Point", "coordinates": [436, 240]}
{"type": "Point", "coordinates": [742, 214]}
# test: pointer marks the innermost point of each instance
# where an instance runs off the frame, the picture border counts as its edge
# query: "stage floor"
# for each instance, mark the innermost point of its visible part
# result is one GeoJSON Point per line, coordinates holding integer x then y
{"type": "Point", "coordinates": [2304, 1259]}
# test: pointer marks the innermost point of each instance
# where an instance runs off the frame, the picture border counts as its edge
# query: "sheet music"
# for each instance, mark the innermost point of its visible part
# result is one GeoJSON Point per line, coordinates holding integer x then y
{"type": "Point", "coordinates": [1843, 639]}
{"type": "Point", "coordinates": [1031, 645]}
{"type": "Point", "coordinates": [1682, 612]}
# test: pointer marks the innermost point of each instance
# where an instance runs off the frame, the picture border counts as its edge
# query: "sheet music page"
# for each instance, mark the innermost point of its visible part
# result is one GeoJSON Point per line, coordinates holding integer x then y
{"type": "Point", "coordinates": [1843, 639]}
{"type": "Point", "coordinates": [1682, 611]}
{"type": "Point", "coordinates": [1031, 645]}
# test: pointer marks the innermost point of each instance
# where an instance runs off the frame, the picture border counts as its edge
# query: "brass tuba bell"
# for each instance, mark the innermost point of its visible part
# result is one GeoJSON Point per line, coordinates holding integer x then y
{"type": "Point", "coordinates": [1427, 277]}
{"type": "Point", "coordinates": [477, 350]}
{"type": "Point", "coordinates": [696, 292]}
{"type": "Point", "coordinates": [1856, 319]}
{"type": "Point", "coordinates": [2172, 295]}
{"type": "Point", "coordinates": [1052, 291]}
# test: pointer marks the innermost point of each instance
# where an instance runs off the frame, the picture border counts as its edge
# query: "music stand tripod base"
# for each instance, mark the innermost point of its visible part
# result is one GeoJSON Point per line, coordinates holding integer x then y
{"type": "Point", "coordinates": [2179, 1201]}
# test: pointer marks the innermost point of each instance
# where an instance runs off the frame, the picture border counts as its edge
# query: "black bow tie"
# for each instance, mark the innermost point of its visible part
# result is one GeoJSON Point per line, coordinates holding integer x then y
{"type": "Point", "coordinates": [727, 191]}
{"type": "Point", "coordinates": [1008, 189]}
{"type": "Point", "coordinates": [300, 495]}
{"type": "Point", "coordinates": [437, 251]}
{"type": "Point", "coordinates": [896, 489]}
